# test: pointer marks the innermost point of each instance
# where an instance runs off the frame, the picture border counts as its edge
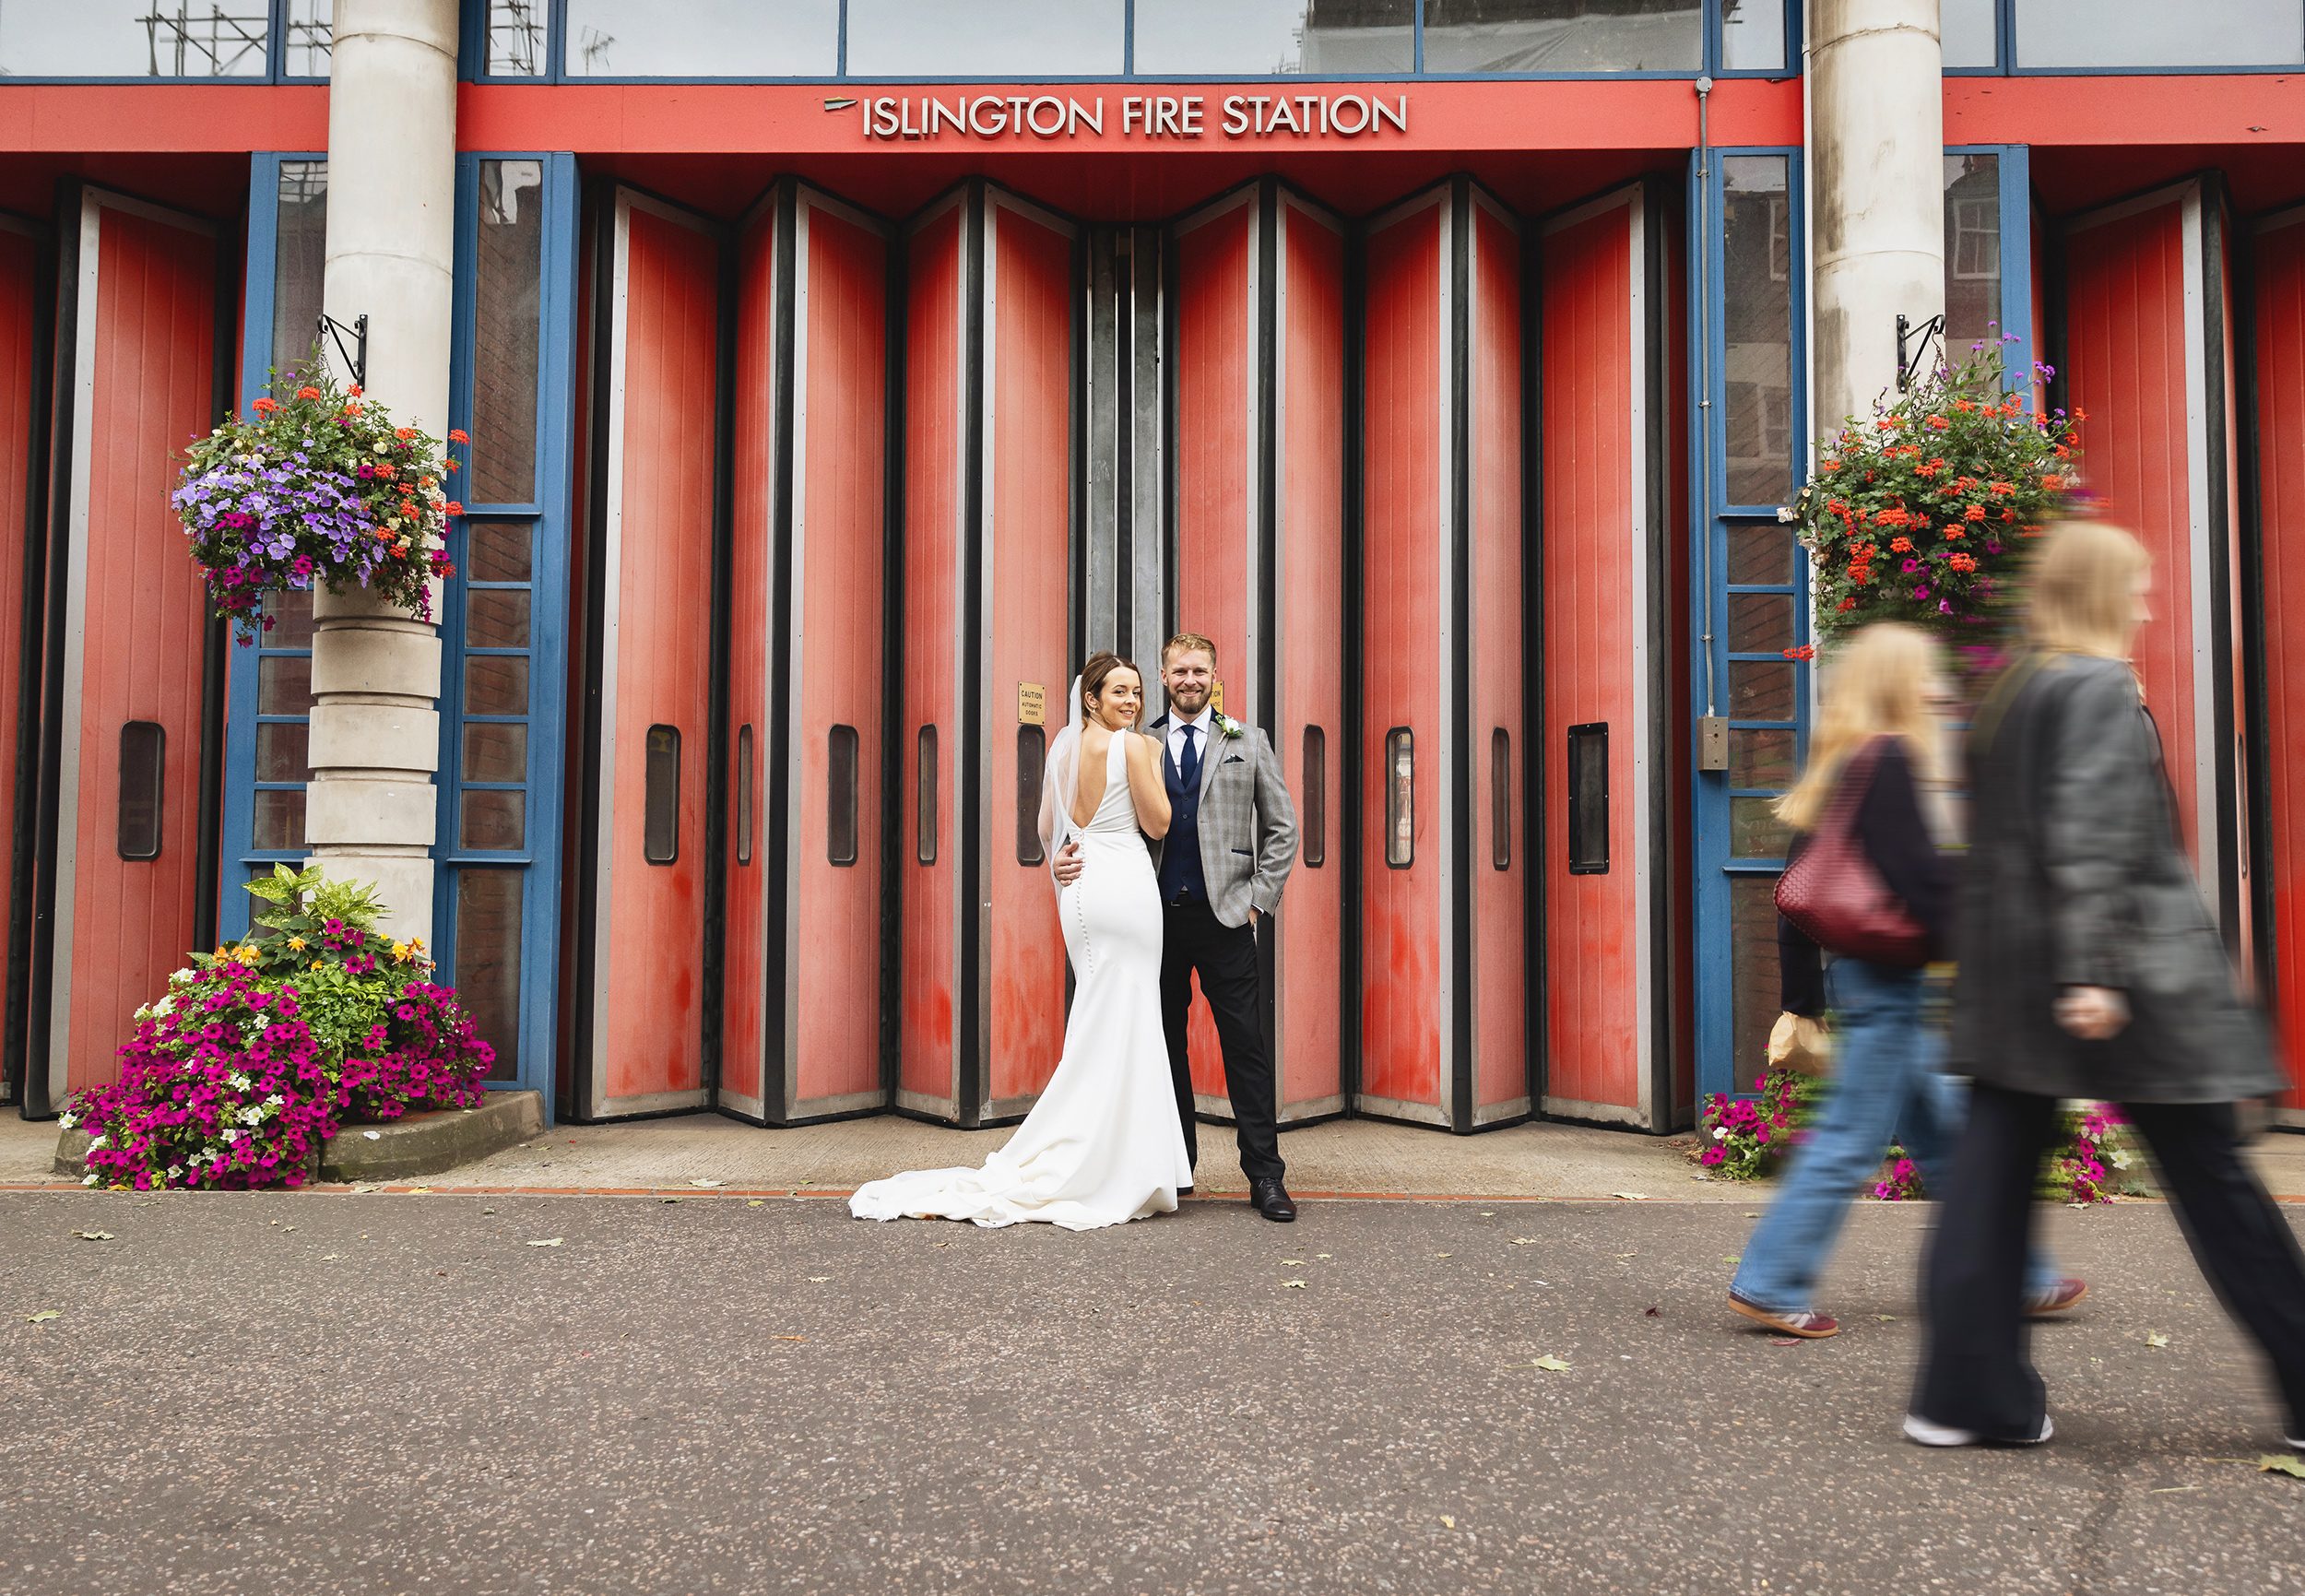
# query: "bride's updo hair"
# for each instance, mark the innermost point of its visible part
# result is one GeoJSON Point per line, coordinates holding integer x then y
{"type": "Point", "coordinates": [1094, 672]}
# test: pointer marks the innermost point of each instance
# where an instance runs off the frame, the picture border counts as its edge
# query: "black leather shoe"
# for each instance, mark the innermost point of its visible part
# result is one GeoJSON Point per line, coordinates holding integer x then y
{"type": "Point", "coordinates": [1272, 1199]}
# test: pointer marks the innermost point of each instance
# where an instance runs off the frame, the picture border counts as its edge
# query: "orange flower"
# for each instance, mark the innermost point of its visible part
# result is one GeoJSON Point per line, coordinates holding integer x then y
{"type": "Point", "coordinates": [1975, 513]}
{"type": "Point", "coordinates": [403, 434]}
{"type": "Point", "coordinates": [407, 507]}
{"type": "Point", "coordinates": [1900, 545]}
{"type": "Point", "coordinates": [2054, 483]}
{"type": "Point", "coordinates": [2000, 490]}
{"type": "Point", "coordinates": [451, 464]}
{"type": "Point", "coordinates": [424, 482]}
{"type": "Point", "coordinates": [454, 508]}
{"type": "Point", "coordinates": [1964, 405]}
{"type": "Point", "coordinates": [354, 390]}
{"type": "Point", "coordinates": [1956, 532]}
{"type": "Point", "coordinates": [264, 407]}
{"type": "Point", "coordinates": [352, 407]}
{"type": "Point", "coordinates": [2079, 414]}
{"type": "Point", "coordinates": [458, 435]}
{"type": "Point", "coordinates": [1963, 562]}
{"type": "Point", "coordinates": [308, 393]}
{"type": "Point", "coordinates": [1938, 423]}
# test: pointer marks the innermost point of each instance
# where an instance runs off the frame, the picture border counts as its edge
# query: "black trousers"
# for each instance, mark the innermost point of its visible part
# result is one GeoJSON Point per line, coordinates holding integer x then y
{"type": "Point", "coordinates": [1224, 957]}
{"type": "Point", "coordinates": [1976, 1372]}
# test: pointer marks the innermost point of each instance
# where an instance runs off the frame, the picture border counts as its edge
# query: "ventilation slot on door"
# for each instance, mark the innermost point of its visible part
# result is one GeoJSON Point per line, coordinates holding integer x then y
{"type": "Point", "coordinates": [143, 745]}
{"type": "Point", "coordinates": [1589, 799]}
{"type": "Point", "coordinates": [1501, 798]}
{"type": "Point", "coordinates": [744, 795]}
{"type": "Point", "coordinates": [924, 844]}
{"type": "Point", "coordinates": [660, 827]}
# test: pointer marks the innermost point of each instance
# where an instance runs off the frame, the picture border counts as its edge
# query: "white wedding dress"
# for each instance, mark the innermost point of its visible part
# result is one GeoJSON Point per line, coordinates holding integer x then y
{"type": "Point", "coordinates": [1103, 1146]}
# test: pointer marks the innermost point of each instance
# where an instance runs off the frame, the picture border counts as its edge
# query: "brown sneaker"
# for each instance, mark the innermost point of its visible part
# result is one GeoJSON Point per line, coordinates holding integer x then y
{"type": "Point", "coordinates": [2055, 1299]}
{"type": "Point", "coordinates": [1806, 1323]}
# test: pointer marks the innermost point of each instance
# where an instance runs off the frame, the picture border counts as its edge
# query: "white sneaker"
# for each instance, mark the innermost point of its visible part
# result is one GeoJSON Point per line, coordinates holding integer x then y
{"type": "Point", "coordinates": [1924, 1432]}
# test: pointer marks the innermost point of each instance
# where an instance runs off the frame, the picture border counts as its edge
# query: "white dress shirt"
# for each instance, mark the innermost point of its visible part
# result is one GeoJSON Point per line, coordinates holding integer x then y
{"type": "Point", "coordinates": [1205, 720]}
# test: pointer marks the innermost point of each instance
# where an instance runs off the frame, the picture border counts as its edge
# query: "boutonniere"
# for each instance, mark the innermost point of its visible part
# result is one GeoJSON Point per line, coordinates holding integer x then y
{"type": "Point", "coordinates": [1229, 726]}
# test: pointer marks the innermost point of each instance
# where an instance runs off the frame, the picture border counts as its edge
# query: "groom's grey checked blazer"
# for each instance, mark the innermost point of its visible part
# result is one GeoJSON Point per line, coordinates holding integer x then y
{"type": "Point", "coordinates": [1247, 863]}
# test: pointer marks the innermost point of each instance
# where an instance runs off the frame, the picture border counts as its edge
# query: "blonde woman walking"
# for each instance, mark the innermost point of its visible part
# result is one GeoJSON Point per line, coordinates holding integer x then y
{"type": "Point", "coordinates": [2090, 968]}
{"type": "Point", "coordinates": [1871, 748]}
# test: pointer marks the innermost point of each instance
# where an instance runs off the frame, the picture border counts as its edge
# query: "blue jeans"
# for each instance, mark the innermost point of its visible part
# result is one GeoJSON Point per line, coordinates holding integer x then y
{"type": "Point", "coordinates": [1887, 1086]}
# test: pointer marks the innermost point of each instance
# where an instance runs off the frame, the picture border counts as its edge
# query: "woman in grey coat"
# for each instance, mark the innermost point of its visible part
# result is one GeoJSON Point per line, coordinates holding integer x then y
{"type": "Point", "coordinates": [2089, 968]}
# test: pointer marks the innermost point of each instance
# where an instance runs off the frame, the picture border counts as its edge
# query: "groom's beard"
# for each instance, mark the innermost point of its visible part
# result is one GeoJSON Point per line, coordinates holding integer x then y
{"type": "Point", "coordinates": [1187, 705]}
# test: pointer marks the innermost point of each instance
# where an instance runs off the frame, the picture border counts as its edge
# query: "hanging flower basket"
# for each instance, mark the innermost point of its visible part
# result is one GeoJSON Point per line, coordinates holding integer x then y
{"type": "Point", "coordinates": [1925, 513]}
{"type": "Point", "coordinates": [319, 490]}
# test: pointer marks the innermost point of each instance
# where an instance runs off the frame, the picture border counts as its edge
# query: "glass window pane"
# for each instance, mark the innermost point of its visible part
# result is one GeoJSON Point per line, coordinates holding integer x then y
{"type": "Point", "coordinates": [492, 819]}
{"type": "Point", "coordinates": [1312, 809]}
{"type": "Point", "coordinates": [1753, 994]}
{"type": "Point", "coordinates": [1032, 764]}
{"type": "Point", "coordinates": [515, 45]}
{"type": "Point", "coordinates": [1760, 623]}
{"type": "Point", "coordinates": [840, 828]}
{"type": "Point", "coordinates": [488, 960]}
{"type": "Point", "coordinates": [1399, 797]}
{"type": "Point", "coordinates": [1274, 37]}
{"type": "Point", "coordinates": [310, 35]}
{"type": "Point", "coordinates": [1011, 41]}
{"type": "Point", "coordinates": [495, 684]}
{"type": "Point", "coordinates": [496, 618]}
{"type": "Point", "coordinates": [660, 819]}
{"type": "Point", "coordinates": [505, 328]}
{"type": "Point", "coordinates": [703, 38]}
{"type": "Point", "coordinates": [283, 751]}
{"type": "Point", "coordinates": [495, 750]}
{"type": "Point", "coordinates": [1753, 35]}
{"type": "Point", "coordinates": [1973, 253]}
{"type": "Point", "coordinates": [1759, 758]}
{"type": "Point", "coordinates": [1756, 376]}
{"type": "Point", "coordinates": [302, 247]}
{"type": "Point", "coordinates": [279, 820]}
{"type": "Point", "coordinates": [133, 38]}
{"type": "Point", "coordinates": [1755, 832]}
{"type": "Point", "coordinates": [1562, 36]}
{"type": "Point", "coordinates": [497, 552]}
{"type": "Point", "coordinates": [1761, 690]}
{"type": "Point", "coordinates": [1759, 554]}
{"type": "Point", "coordinates": [1970, 30]}
{"type": "Point", "coordinates": [284, 684]}
{"type": "Point", "coordinates": [291, 615]}
{"type": "Point", "coordinates": [2157, 33]}
{"type": "Point", "coordinates": [925, 799]}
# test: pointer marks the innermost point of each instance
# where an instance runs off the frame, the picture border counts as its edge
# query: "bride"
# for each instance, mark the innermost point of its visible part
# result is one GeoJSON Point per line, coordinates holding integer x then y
{"type": "Point", "coordinates": [1103, 1146]}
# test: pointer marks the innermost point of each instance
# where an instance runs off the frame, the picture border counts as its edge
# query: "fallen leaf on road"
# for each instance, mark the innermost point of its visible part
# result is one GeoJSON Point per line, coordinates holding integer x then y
{"type": "Point", "coordinates": [419, 1191]}
{"type": "Point", "coordinates": [2281, 1464]}
{"type": "Point", "coordinates": [1549, 1364]}
{"type": "Point", "coordinates": [1323, 1255]}
{"type": "Point", "coordinates": [1293, 1285]}
{"type": "Point", "coordinates": [42, 1317]}
{"type": "Point", "coordinates": [1488, 1213]}
{"type": "Point", "coordinates": [1753, 1216]}
{"type": "Point", "coordinates": [93, 1235]}
{"type": "Point", "coordinates": [791, 1338]}
{"type": "Point", "coordinates": [756, 1202]}
{"type": "Point", "coordinates": [1298, 1261]}
{"type": "Point", "coordinates": [330, 1257]}
{"type": "Point", "coordinates": [2166, 1490]}
{"type": "Point", "coordinates": [1784, 1341]}
{"type": "Point", "coordinates": [701, 1181]}
{"type": "Point", "coordinates": [667, 1199]}
{"type": "Point", "coordinates": [2156, 1339]}
{"type": "Point", "coordinates": [1623, 1255]}
{"type": "Point", "coordinates": [1448, 1522]}
{"type": "Point", "coordinates": [554, 1242]}
{"type": "Point", "coordinates": [1652, 1313]}
{"type": "Point", "coordinates": [819, 1279]}
{"type": "Point", "coordinates": [1444, 1255]}
{"type": "Point", "coordinates": [1631, 1196]}
{"type": "Point", "coordinates": [1733, 1258]}
{"type": "Point", "coordinates": [1884, 1317]}
{"type": "Point", "coordinates": [1524, 1241]}
{"type": "Point", "coordinates": [374, 1135]}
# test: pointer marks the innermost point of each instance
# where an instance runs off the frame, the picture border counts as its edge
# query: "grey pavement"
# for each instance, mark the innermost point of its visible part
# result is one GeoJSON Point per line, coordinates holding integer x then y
{"type": "Point", "coordinates": [334, 1392]}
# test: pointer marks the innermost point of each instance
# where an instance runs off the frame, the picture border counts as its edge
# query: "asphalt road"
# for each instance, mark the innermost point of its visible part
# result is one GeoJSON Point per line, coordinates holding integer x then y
{"type": "Point", "coordinates": [377, 1393]}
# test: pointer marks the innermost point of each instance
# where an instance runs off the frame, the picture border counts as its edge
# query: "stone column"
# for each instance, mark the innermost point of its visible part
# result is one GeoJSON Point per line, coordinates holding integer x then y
{"type": "Point", "coordinates": [392, 185]}
{"type": "Point", "coordinates": [1876, 192]}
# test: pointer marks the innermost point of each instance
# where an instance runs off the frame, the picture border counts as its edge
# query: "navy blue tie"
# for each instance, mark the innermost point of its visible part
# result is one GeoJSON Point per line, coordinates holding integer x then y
{"type": "Point", "coordinates": [1189, 767]}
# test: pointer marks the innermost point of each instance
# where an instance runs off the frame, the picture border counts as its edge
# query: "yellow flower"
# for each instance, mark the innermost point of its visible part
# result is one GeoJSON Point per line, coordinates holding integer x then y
{"type": "Point", "coordinates": [297, 943]}
{"type": "Point", "coordinates": [246, 953]}
{"type": "Point", "coordinates": [400, 953]}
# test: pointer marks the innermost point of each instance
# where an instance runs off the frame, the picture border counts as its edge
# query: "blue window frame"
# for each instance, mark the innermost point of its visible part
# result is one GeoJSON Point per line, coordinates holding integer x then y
{"type": "Point", "coordinates": [1751, 598]}
{"type": "Point", "coordinates": [528, 42]}
{"type": "Point", "coordinates": [504, 613]}
{"type": "Point", "coordinates": [264, 42]}
{"type": "Point", "coordinates": [268, 692]}
{"type": "Point", "coordinates": [1987, 40]}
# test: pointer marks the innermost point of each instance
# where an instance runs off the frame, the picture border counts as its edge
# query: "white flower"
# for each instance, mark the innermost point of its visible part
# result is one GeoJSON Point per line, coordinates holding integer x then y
{"type": "Point", "coordinates": [251, 1117]}
{"type": "Point", "coordinates": [1721, 1133]}
{"type": "Point", "coordinates": [175, 1171]}
{"type": "Point", "coordinates": [2118, 1160]}
{"type": "Point", "coordinates": [232, 1134]}
{"type": "Point", "coordinates": [66, 1121]}
{"type": "Point", "coordinates": [88, 1180]}
{"type": "Point", "coordinates": [275, 1101]}
{"type": "Point", "coordinates": [1785, 514]}
{"type": "Point", "coordinates": [96, 1141]}
{"type": "Point", "coordinates": [166, 1005]}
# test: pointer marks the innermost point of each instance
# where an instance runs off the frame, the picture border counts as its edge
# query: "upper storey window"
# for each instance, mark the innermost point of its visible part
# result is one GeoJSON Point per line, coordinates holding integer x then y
{"type": "Point", "coordinates": [2123, 36]}
{"type": "Point", "coordinates": [1028, 40]}
{"type": "Point", "coordinates": [140, 39]}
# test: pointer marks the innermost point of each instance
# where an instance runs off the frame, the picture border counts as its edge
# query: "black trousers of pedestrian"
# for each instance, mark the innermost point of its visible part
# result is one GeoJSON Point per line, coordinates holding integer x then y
{"type": "Point", "coordinates": [1976, 1372]}
{"type": "Point", "coordinates": [1224, 957]}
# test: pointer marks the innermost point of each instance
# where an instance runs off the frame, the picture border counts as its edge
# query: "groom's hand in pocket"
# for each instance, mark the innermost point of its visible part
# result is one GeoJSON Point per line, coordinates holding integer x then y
{"type": "Point", "coordinates": [1068, 866]}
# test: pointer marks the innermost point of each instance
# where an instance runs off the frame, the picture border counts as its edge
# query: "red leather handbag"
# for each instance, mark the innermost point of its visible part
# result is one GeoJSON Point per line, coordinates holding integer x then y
{"type": "Point", "coordinates": [1834, 893]}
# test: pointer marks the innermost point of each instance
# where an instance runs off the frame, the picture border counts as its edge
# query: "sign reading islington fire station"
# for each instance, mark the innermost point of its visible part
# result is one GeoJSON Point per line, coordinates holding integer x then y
{"type": "Point", "coordinates": [1147, 116]}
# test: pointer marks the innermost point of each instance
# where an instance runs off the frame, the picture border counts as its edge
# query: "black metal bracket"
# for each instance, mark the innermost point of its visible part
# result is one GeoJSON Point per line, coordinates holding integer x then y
{"type": "Point", "coordinates": [356, 359]}
{"type": "Point", "coordinates": [1906, 332]}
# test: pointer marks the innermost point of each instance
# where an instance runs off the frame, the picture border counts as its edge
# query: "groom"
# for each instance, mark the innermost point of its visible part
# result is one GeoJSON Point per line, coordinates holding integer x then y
{"type": "Point", "coordinates": [1232, 837]}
